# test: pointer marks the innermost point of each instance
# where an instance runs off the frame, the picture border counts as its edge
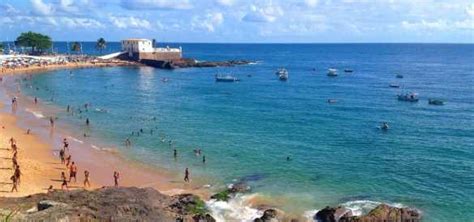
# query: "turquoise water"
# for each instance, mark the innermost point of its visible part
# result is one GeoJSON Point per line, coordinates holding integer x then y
{"type": "Point", "coordinates": [247, 129]}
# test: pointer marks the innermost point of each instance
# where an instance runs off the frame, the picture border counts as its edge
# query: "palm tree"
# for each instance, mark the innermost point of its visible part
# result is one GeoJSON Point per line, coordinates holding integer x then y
{"type": "Point", "coordinates": [101, 44]}
{"type": "Point", "coordinates": [76, 47]}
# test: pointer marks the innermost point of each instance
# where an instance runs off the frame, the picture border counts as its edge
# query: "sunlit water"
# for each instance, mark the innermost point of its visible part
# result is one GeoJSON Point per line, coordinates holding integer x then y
{"type": "Point", "coordinates": [247, 129]}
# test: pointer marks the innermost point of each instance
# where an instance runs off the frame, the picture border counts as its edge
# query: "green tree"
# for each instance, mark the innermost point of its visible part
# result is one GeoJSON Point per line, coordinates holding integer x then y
{"type": "Point", "coordinates": [76, 47]}
{"type": "Point", "coordinates": [36, 41]}
{"type": "Point", "coordinates": [101, 44]}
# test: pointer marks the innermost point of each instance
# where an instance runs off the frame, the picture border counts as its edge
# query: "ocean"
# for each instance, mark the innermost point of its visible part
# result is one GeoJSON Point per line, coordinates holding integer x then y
{"type": "Point", "coordinates": [247, 129]}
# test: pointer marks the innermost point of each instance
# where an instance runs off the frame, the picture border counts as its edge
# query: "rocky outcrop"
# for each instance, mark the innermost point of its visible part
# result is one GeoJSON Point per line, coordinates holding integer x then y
{"type": "Point", "coordinates": [106, 204]}
{"type": "Point", "coordinates": [382, 213]}
{"type": "Point", "coordinates": [269, 215]}
{"type": "Point", "coordinates": [188, 63]}
{"type": "Point", "coordinates": [240, 187]}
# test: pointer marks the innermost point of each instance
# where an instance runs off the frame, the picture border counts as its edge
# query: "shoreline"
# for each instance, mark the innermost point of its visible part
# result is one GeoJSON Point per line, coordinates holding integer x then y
{"type": "Point", "coordinates": [99, 163]}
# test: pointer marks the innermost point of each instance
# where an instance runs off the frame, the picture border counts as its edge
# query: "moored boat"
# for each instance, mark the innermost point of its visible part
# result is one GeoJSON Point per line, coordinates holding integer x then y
{"type": "Point", "coordinates": [400, 76]}
{"type": "Point", "coordinates": [332, 72]}
{"type": "Point", "coordinates": [282, 74]}
{"type": "Point", "coordinates": [348, 70]}
{"type": "Point", "coordinates": [226, 78]}
{"type": "Point", "coordinates": [437, 102]}
{"type": "Point", "coordinates": [408, 97]}
{"type": "Point", "coordinates": [394, 85]}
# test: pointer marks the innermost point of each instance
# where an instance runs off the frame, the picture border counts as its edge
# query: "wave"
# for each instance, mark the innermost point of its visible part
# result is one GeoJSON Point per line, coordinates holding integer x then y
{"type": "Point", "coordinates": [35, 113]}
{"type": "Point", "coordinates": [357, 207]}
{"type": "Point", "coordinates": [106, 149]}
{"type": "Point", "coordinates": [75, 139]}
{"type": "Point", "coordinates": [236, 209]}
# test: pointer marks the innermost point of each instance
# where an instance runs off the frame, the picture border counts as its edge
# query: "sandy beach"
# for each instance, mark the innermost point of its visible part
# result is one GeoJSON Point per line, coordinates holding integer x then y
{"type": "Point", "coordinates": [39, 161]}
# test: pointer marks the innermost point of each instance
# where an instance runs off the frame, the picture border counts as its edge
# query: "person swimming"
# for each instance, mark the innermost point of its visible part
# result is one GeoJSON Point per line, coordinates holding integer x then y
{"type": "Point", "coordinates": [384, 126]}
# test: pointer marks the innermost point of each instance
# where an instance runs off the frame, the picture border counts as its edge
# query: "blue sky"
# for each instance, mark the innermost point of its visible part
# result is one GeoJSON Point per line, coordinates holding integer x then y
{"type": "Point", "coordinates": [243, 20]}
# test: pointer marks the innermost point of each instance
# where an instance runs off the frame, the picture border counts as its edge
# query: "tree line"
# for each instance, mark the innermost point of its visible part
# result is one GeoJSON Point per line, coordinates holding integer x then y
{"type": "Point", "coordinates": [37, 43]}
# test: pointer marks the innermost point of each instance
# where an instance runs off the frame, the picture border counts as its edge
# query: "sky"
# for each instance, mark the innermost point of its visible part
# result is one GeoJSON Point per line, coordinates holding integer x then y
{"type": "Point", "coordinates": [242, 21]}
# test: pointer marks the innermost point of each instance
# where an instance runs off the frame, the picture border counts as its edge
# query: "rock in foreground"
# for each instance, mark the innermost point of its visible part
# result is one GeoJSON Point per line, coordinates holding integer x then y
{"type": "Point", "coordinates": [382, 213]}
{"type": "Point", "coordinates": [106, 204]}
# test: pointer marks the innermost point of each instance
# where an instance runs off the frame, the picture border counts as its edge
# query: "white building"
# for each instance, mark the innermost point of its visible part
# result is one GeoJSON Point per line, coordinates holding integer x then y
{"type": "Point", "coordinates": [143, 48]}
{"type": "Point", "coordinates": [137, 45]}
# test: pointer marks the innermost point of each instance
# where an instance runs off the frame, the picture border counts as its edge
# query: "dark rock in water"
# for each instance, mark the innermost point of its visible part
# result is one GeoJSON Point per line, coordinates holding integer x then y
{"type": "Point", "coordinates": [106, 204]}
{"type": "Point", "coordinates": [240, 187]}
{"type": "Point", "coordinates": [253, 177]}
{"type": "Point", "coordinates": [269, 215]}
{"type": "Point", "coordinates": [381, 213]}
{"type": "Point", "coordinates": [326, 215]}
{"type": "Point", "coordinates": [204, 218]}
{"type": "Point", "coordinates": [188, 63]}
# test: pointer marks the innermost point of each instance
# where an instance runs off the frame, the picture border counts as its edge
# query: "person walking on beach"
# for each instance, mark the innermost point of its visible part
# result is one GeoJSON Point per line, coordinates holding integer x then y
{"type": "Point", "coordinates": [186, 175]}
{"type": "Point", "coordinates": [61, 155]}
{"type": "Point", "coordinates": [68, 160]}
{"type": "Point", "coordinates": [64, 184]}
{"type": "Point", "coordinates": [17, 174]}
{"type": "Point", "coordinates": [14, 183]}
{"type": "Point", "coordinates": [73, 172]}
{"type": "Point", "coordinates": [65, 144]}
{"type": "Point", "coordinates": [116, 178]}
{"type": "Point", "coordinates": [86, 179]}
{"type": "Point", "coordinates": [14, 160]}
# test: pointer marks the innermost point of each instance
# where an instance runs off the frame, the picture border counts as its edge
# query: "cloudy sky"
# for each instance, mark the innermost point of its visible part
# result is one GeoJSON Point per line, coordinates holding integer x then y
{"type": "Point", "coordinates": [243, 20]}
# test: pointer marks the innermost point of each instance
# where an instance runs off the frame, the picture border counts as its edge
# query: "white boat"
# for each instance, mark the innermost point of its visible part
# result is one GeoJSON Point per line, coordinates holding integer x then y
{"type": "Point", "coordinates": [282, 74]}
{"type": "Point", "coordinates": [409, 97]}
{"type": "Point", "coordinates": [332, 72]}
{"type": "Point", "coordinates": [226, 78]}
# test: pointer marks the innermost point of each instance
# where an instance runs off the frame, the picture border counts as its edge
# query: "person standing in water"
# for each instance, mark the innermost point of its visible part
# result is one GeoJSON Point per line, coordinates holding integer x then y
{"type": "Point", "coordinates": [36, 100]}
{"type": "Point", "coordinates": [61, 156]}
{"type": "Point", "coordinates": [175, 153]}
{"type": "Point", "coordinates": [186, 175]}
{"type": "Point", "coordinates": [86, 179]}
{"type": "Point", "coordinates": [87, 121]}
{"type": "Point", "coordinates": [203, 159]}
{"type": "Point", "coordinates": [51, 121]}
{"type": "Point", "coordinates": [68, 108]}
{"type": "Point", "coordinates": [73, 172]}
{"type": "Point", "coordinates": [116, 178]}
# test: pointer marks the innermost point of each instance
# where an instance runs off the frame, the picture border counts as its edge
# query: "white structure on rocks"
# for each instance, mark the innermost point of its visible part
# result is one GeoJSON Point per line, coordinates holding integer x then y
{"type": "Point", "coordinates": [139, 49]}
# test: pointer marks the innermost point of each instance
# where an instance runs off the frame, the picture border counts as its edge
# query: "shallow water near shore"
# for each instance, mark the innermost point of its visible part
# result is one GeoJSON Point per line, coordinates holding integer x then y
{"type": "Point", "coordinates": [246, 130]}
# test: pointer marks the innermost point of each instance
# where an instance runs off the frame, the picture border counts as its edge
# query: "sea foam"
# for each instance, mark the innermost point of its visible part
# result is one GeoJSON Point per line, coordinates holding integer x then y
{"type": "Point", "coordinates": [35, 113]}
{"type": "Point", "coordinates": [236, 209]}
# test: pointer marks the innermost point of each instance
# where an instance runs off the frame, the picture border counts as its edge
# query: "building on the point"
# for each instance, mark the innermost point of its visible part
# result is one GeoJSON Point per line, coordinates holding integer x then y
{"type": "Point", "coordinates": [143, 49]}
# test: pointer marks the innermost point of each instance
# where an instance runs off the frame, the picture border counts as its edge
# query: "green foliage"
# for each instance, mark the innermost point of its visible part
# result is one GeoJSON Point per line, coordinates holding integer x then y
{"type": "Point", "coordinates": [9, 217]}
{"type": "Point", "coordinates": [101, 44]}
{"type": "Point", "coordinates": [222, 196]}
{"type": "Point", "coordinates": [76, 47]}
{"type": "Point", "coordinates": [36, 41]}
{"type": "Point", "coordinates": [1, 46]}
{"type": "Point", "coordinates": [199, 208]}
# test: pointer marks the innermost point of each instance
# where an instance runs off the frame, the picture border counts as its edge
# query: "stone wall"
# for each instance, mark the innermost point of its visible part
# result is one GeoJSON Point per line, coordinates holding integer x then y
{"type": "Point", "coordinates": [159, 56]}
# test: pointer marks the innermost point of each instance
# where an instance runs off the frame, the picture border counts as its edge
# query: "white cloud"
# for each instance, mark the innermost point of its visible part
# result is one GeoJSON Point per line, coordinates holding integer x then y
{"type": "Point", "coordinates": [155, 4]}
{"type": "Point", "coordinates": [130, 22]}
{"type": "Point", "coordinates": [470, 10]}
{"type": "Point", "coordinates": [311, 3]}
{"type": "Point", "coordinates": [41, 8]}
{"type": "Point", "coordinates": [268, 13]}
{"type": "Point", "coordinates": [439, 25]}
{"type": "Point", "coordinates": [208, 22]}
{"type": "Point", "coordinates": [225, 2]}
{"type": "Point", "coordinates": [81, 23]}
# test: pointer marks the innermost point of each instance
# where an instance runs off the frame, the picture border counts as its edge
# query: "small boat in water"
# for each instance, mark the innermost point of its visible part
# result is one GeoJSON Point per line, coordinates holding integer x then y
{"type": "Point", "coordinates": [408, 97]}
{"type": "Point", "coordinates": [394, 85]}
{"type": "Point", "coordinates": [226, 78]}
{"type": "Point", "coordinates": [348, 70]}
{"type": "Point", "coordinates": [437, 102]}
{"type": "Point", "coordinates": [332, 72]}
{"type": "Point", "coordinates": [399, 76]}
{"type": "Point", "coordinates": [282, 74]}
